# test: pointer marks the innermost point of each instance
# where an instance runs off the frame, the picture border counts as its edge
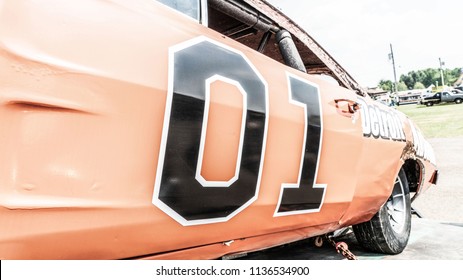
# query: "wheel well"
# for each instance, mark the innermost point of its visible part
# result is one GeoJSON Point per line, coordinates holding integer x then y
{"type": "Point", "coordinates": [412, 170]}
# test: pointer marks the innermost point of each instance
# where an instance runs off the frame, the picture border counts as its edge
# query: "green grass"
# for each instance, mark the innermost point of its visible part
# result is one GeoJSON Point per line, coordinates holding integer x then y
{"type": "Point", "coordinates": [438, 121]}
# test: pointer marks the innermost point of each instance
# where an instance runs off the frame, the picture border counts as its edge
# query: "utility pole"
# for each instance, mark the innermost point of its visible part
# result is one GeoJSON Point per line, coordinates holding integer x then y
{"type": "Point", "coordinates": [391, 57]}
{"type": "Point", "coordinates": [441, 63]}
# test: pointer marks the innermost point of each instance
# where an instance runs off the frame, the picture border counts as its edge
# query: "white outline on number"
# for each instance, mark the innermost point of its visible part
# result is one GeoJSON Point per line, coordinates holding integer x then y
{"type": "Point", "coordinates": [199, 177]}
{"type": "Point", "coordinates": [296, 185]}
{"type": "Point", "coordinates": [165, 131]}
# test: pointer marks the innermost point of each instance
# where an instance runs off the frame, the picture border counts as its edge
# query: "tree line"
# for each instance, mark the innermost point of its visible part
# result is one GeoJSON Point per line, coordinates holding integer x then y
{"type": "Point", "coordinates": [422, 79]}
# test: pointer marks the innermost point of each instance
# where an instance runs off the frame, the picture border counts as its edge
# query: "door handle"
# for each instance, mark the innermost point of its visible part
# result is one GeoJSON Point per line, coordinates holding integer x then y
{"type": "Point", "coordinates": [346, 107]}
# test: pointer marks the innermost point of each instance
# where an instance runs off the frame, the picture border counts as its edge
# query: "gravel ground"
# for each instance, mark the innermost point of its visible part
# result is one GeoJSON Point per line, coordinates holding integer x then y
{"type": "Point", "coordinates": [444, 202]}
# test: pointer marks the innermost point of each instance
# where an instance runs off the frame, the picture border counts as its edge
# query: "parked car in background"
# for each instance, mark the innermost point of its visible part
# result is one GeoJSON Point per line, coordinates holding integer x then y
{"type": "Point", "coordinates": [443, 97]}
{"type": "Point", "coordinates": [189, 129]}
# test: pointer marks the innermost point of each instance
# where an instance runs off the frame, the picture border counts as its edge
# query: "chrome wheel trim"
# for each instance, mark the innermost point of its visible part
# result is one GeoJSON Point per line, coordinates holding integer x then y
{"type": "Point", "coordinates": [395, 207]}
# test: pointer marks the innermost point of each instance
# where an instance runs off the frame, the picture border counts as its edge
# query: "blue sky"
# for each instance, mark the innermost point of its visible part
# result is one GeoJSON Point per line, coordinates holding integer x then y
{"type": "Point", "coordinates": [358, 33]}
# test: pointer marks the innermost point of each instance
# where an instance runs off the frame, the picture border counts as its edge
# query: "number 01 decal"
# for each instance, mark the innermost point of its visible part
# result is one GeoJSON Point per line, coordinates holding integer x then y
{"type": "Point", "coordinates": [180, 190]}
{"type": "Point", "coordinates": [305, 196]}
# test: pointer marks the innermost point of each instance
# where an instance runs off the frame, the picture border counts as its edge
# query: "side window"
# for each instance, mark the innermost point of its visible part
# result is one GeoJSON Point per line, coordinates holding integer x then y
{"type": "Point", "coordinates": [190, 8]}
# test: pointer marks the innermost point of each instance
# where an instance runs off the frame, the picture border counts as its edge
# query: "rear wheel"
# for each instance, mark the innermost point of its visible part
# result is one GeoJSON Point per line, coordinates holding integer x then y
{"type": "Point", "coordinates": [458, 100]}
{"type": "Point", "coordinates": [389, 229]}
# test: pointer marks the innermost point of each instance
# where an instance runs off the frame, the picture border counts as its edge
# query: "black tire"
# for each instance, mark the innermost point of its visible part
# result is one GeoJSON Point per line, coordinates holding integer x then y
{"type": "Point", "coordinates": [458, 101]}
{"type": "Point", "coordinates": [389, 229]}
{"type": "Point", "coordinates": [429, 104]}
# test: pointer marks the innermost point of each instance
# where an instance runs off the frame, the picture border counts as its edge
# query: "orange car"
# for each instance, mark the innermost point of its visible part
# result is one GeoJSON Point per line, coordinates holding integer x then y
{"type": "Point", "coordinates": [189, 129]}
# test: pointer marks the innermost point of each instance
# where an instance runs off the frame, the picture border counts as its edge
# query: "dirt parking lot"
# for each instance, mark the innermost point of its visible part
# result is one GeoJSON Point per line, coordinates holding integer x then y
{"type": "Point", "coordinates": [444, 202]}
